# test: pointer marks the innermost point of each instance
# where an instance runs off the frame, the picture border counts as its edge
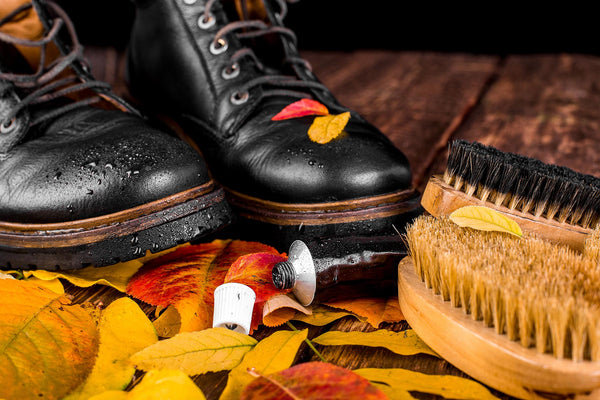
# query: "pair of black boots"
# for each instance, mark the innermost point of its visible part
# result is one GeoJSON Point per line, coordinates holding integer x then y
{"type": "Point", "coordinates": [85, 180]}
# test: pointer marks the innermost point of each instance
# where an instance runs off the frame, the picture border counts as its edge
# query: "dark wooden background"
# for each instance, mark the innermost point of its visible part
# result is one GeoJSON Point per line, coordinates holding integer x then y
{"type": "Point", "coordinates": [543, 105]}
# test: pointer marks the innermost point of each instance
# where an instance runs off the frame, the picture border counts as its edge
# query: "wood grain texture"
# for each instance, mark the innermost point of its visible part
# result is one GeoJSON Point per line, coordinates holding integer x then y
{"type": "Point", "coordinates": [543, 106]}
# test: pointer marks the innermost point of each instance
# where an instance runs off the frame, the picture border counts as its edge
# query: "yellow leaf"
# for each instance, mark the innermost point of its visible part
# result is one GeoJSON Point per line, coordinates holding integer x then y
{"type": "Point", "coordinates": [158, 385]}
{"type": "Point", "coordinates": [194, 353]}
{"type": "Point", "coordinates": [124, 330]}
{"type": "Point", "coordinates": [53, 284]}
{"type": "Point", "coordinates": [485, 219]}
{"type": "Point", "coordinates": [168, 324]}
{"type": "Point", "coordinates": [326, 128]}
{"type": "Point", "coordinates": [322, 315]}
{"type": "Point", "coordinates": [396, 383]}
{"type": "Point", "coordinates": [406, 343]}
{"type": "Point", "coordinates": [116, 275]}
{"type": "Point", "coordinates": [273, 354]}
{"type": "Point", "coordinates": [47, 345]}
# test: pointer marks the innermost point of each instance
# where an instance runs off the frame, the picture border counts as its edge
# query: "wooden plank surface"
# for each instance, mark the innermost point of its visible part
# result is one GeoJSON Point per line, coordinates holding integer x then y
{"type": "Point", "coordinates": [544, 106]}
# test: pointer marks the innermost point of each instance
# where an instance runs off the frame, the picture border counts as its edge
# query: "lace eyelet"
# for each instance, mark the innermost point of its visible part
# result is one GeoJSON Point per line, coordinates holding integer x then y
{"type": "Point", "coordinates": [8, 127]}
{"type": "Point", "coordinates": [218, 46]}
{"type": "Point", "coordinates": [238, 98]}
{"type": "Point", "coordinates": [206, 23]}
{"type": "Point", "coordinates": [190, 2]}
{"type": "Point", "coordinates": [231, 72]}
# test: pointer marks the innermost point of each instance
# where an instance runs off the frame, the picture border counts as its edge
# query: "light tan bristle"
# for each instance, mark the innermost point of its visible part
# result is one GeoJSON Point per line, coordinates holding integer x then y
{"type": "Point", "coordinates": [541, 294]}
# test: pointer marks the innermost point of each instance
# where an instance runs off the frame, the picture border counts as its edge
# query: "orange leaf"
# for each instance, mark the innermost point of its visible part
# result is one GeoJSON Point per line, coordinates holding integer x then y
{"type": "Point", "coordinates": [312, 380]}
{"type": "Point", "coordinates": [254, 270]}
{"type": "Point", "coordinates": [301, 108]}
{"type": "Point", "coordinates": [375, 309]}
{"type": "Point", "coordinates": [325, 129]}
{"type": "Point", "coordinates": [187, 278]}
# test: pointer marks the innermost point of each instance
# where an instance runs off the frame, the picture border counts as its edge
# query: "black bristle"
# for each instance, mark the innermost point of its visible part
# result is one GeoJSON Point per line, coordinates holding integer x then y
{"type": "Point", "coordinates": [525, 184]}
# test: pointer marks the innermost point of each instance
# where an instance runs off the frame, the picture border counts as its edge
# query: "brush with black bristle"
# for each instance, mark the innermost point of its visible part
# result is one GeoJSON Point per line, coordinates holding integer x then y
{"type": "Point", "coordinates": [555, 202]}
{"type": "Point", "coordinates": [521, 315]}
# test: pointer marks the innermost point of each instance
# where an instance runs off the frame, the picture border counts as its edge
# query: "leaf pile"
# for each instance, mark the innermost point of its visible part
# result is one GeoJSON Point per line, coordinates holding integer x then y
{"type": "Point", "coordinates": [53, 349]}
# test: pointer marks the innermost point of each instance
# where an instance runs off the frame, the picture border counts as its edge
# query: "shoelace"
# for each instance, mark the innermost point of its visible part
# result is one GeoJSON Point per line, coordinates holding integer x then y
{"type": "Point", "coordinates": [43, 85]}
{"type": "Point", "coordinates": [252, 29]}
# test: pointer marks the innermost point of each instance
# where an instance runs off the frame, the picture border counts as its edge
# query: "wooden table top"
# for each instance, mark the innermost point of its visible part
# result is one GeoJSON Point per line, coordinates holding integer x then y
{"type": "Point", "coordinates": [544, 106]}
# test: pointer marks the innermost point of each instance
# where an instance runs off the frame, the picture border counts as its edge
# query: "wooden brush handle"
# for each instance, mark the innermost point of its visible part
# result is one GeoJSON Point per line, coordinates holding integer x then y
{"type": "Point", "coordinates": [441, 199]}
{"type": "Point", "coordinates": [485, 355]}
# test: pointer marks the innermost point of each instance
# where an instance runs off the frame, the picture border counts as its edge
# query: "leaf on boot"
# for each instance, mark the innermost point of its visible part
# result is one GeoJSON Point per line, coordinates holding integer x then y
{"type": "Point", "coordinates": [405, 343]}
{"type": "Point", "coordinates": [375, 309]}
{"type": "Point", "coordinates": [209, 350]}
{"type": "Point", "coordinates": [301, 108]}
{"type": "Point", "coordinates": [255, 271]}
{"type": "Point", "coordinates": [326, 128]}
{"type": "Point", "coordinates": [124, 330]}
{"type": "Point", "coordinates": [485, 219]}
{"type": "Point", "coordinates": [187, 279]}
{"type": "Point", "coordinates": [397, 383]}
{"type": "Point", "coordinates": [47, 345]}
{"type": "Point", "coordinates": [272, 354]}
{"type": "Point", "coordinates": [158, 385]}
{"type": "Point", "coordinates": [312, 380]}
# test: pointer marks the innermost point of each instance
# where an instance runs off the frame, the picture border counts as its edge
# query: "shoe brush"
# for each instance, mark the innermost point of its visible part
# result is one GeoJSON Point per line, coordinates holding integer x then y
{"type": "Point", "coordinates": [555, 202]}
{"type": "Point", "coordinates": [521, 315]}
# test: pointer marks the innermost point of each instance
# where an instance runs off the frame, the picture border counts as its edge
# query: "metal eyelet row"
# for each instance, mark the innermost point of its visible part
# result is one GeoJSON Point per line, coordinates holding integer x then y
{"type": "Point", "coordinates": [217, 47]}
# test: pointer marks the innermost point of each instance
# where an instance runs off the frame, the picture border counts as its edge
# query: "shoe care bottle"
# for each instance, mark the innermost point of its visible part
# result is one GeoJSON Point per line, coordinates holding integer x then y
{"type": "Point", "coordinates": [337, 269]}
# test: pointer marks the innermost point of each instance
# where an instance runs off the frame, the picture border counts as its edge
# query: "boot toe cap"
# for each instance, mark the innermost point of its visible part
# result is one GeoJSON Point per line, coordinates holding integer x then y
{"type": "Point", "coordinates": [286, 166]}
{"type": "Point", "coordinates": [92, 166]}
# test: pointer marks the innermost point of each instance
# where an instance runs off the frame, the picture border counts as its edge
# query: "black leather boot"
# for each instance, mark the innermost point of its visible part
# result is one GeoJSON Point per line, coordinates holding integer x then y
{"type": "Point", "coordinates": [84, 180]}
{"type": "Point", "coordinates": [221, 78]}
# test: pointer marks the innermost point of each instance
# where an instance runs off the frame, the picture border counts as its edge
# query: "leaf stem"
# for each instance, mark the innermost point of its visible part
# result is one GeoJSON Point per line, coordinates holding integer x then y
{"type": "Point", "coordinates": [308, 342]}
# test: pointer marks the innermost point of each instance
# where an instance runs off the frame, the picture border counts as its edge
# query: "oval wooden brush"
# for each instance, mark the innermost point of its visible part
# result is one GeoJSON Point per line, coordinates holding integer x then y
{"type": "Point", "coordinates": [555, 202]}
{"type": "Point", "coordinates": [521, 315]}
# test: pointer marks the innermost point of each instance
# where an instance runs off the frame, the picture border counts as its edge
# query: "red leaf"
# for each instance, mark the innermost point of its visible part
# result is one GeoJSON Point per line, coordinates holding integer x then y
{"type": "Point", "coordinates": [312, 380]}
{"type": "Point", "coordinates": [254, 270]}
{"type": "Point", "coordinates": [187, 278]}
{"type": "Point", "coordinates": [301, 108]}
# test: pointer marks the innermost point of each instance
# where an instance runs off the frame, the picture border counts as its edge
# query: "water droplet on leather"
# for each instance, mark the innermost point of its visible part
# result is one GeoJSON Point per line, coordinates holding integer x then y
{"type": "Point", "coordinates": [58, 174]}
{"type": "Point", "coordinates": [128, 173]}
{"type": "Point", "coordinates": [99, 181]}
{"type": "Point", "coordinates": [90, 191]}
{"type": "Point", "coordinates": [311, 162]}
{"type": "Point", "coordinates": [138, 251]}
{"type": "Point", "coordinates": [321, 165]}
{"type": "Point", "coordinates": [155, 247]}
{"type": "Point", "coordinates": [109, 166]}
{"type": "Point", "coordinates": [134, 239]}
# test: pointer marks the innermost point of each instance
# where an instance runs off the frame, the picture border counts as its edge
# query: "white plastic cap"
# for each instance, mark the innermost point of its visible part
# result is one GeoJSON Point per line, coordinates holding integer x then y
{"type": "Point", "coordinates": [234, 303]}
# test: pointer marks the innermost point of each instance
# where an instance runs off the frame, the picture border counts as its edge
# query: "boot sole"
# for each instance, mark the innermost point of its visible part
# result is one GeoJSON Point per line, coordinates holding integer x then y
{"type": "Point", "coordinates": [281, 223]}
{"type": "Point", "coordinates": [117, 237]}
